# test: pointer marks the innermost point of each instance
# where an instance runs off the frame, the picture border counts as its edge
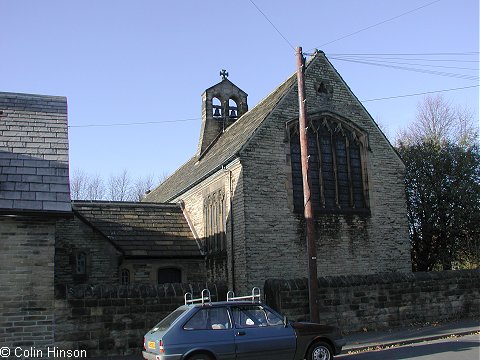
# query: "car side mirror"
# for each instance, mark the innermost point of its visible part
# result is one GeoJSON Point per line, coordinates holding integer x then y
{"type": "Point", "coordinates": [285, 321]}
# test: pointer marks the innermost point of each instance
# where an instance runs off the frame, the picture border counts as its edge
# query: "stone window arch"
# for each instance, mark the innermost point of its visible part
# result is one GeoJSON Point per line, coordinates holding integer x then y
{"type": "Point", "coordinates": [125, 276]}
{"type": "Point", "coordinates": [81, 263]}
{"type": "Point", "coordinates": [337, 165]}
{"type": "Point", "coordinates": [217, 108]}
{"type": "Point", "coordinates": [232, 108]}
{"type": "Point", "coordinates": [214, 220]}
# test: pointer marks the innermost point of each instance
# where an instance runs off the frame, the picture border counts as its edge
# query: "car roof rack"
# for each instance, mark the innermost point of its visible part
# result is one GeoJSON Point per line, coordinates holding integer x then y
{"type": "Point", "coordinates": [204, 299]}
{"type": "Point", "coordinates": [255, 297]}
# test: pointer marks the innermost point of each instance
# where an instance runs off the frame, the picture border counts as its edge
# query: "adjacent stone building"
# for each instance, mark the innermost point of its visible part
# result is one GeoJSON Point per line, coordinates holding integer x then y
{"type": "Point", "coordinates": [126, 243]}
{"type": "Point", "coordinates": [34, 194]}
{"type": "Point", "coordinates": [243, 192]}
{"type": "Point", "coordinates": [48, 242]}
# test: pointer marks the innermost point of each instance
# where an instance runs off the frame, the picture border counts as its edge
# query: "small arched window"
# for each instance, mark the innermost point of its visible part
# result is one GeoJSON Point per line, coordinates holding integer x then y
{"type": "Point", "coordinates": [169, 275]}
{"type": "Point", "coordinates": [232, 109]}
{"type": "Point", "coordinates": [125, 276]}
{"type": "Point", "coordinates": [81, 263]}
{"type": "Point", "coordinates": [217, 107]}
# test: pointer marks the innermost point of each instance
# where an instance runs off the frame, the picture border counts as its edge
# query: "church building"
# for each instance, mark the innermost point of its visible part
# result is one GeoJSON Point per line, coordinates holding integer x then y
{"type": "Point", "coordinates": [242, 192]}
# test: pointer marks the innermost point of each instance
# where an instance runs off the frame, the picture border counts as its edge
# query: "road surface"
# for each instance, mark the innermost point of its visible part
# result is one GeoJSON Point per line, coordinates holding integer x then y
{"type": "Point", "coordinates": [457, 348]}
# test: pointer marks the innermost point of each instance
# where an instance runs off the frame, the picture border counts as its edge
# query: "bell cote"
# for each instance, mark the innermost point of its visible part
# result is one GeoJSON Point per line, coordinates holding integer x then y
{"type": "Point", "coordinates": [222, 105]}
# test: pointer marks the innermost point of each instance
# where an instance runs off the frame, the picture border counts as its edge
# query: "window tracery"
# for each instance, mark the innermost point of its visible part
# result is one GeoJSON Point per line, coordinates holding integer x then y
{"type": "Point", "coordinates": [337, 166]}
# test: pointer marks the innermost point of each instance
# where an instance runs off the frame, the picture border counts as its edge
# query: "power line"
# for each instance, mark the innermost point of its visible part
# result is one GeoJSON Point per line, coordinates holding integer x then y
{"type": "Point", "coordinates": [134, 123]}
{"type": "Point", "coordinates": [183, 120]}
{"type": "Point", "coordinates": [467, 53]}
{"type": "Point", "coordinates": [271, 23]}
{"type": "Point", "coordinates": [422, 93]}
{"type": "Point", "coordinates": [388, 57]}
{"type": "Point", "coordinates": [431, 72]}
{"type": "Point", "coordinates": [380, 23]}
{"type": "Point", "coordinates": [385, 61]}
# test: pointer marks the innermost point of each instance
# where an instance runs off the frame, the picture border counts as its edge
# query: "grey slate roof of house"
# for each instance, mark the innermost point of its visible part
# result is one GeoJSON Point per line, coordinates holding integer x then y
{"type": "Point", "coordinates": [224, 150]}
{"type": "Point", "coordinates": [33, 154]}
{"type": "Point", "coordinates": [141, 229]}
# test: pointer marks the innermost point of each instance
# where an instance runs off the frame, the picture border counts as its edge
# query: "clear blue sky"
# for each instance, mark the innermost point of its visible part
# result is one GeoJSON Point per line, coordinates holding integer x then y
{"type": "Point", "coordinates": [123, 61]}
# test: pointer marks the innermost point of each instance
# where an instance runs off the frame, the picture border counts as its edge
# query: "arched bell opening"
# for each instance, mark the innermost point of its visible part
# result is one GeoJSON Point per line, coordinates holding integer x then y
{"type": "Point", "coordinates": [232, 109]}
{"type": "Point", "coordinates": [217, 107]}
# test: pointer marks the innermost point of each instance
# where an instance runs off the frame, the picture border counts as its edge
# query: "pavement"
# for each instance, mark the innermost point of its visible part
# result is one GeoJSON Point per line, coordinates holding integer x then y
{"type": "Point", "coordinates": [371, 340]}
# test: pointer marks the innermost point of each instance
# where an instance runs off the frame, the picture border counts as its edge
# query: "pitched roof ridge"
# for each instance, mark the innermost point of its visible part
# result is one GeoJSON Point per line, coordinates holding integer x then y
{"type": "Point", "coordinates": [226, 147]}
{"type": "Point", "coordinates": [194, 157]}
{"type": "Point", "coordinates": [260, 103]}
{"type": "Point", "coordinates": [123, 203]}
{"type": "Point", "coordinates": [28, 95]}
{"type": "Point", "coordinates": [361, 104]}
{"type": "Point", "coordinates": [294, 74]}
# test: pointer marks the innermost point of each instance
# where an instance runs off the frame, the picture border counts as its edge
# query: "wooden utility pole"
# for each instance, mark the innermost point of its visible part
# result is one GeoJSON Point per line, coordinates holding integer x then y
{"type": "Point", "coordinates": [309, 219]}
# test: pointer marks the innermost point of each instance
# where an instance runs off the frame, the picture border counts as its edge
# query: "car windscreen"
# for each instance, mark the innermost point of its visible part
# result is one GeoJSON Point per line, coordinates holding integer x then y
{"type": "Point", "coordinates": [168, 321]}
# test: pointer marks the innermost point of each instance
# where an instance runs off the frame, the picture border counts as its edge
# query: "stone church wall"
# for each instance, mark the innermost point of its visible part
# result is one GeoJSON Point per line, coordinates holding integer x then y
{"type": "Point", "coordinates": [26, 286]}
{"type": "Point", "coordinates": [146, 271]}
{"type": "Point", "coordinates": [103, 258]}
{"type": "Point", "coordinates": [346, 243]}
{"type": "Point", "coordinates": [104, 261]}
{"type": "Point", "coordinates": [219, 266]}
{"type": "Point", "coordinates": [373, 302]}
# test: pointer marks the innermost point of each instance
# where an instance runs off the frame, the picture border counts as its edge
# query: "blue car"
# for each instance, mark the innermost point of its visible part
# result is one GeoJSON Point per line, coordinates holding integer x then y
{"type": "Point", "coordinates": [241, 328]}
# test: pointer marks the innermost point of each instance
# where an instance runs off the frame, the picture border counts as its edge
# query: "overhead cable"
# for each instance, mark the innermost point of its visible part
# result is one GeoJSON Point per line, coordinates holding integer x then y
{"type": "Point", "coordinates": [276, 29]}
{"type": "Point", "coordinates": [425, 71]}
{"type": "Point", "coordinates": [422, 93]}
{"type": "Point", "coordinates": [380, 23]}
{"type": "Point", "coordinates": [133, 123]}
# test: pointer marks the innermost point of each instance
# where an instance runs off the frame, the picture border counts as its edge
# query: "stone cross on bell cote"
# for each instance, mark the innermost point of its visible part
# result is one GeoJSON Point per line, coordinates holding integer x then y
{"type": "Point", "coordinates": [224, 74]}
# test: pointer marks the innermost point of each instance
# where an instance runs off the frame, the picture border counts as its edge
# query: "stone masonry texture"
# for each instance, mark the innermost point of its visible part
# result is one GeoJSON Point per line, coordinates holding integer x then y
{"type": "Point", "coordinates": [102, 257]}
{"type": "Point", "coordinates": [383, 301]}
{"type": "Point", "coordinates": [112, 320]}
{"type": "Point", "coordinates": [346, 243]}
{"type": "Point", "coordinates": [265, 235]}
{"type": "Point", "coordinates": [26, 287]}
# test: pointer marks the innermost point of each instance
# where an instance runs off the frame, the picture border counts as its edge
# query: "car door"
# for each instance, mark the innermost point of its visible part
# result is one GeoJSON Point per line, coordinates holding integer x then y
{"type": "Point", "coordinates": [261, 334]}
{"type": "Point", "coordinates": [209, 329]}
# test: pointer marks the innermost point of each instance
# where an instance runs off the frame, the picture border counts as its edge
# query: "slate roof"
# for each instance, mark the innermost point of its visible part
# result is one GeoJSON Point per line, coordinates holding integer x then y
{"type": "Point", "coordinates": [33, 154]}
{"type": "Point", "coordinates": [224, 150]}
{"type": "Point", "coordinates": [141, 229]}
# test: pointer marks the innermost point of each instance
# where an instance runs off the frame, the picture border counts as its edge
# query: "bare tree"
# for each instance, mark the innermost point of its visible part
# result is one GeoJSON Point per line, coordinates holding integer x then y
{"type": "Point", "coordinates": [120, 187]}
{"type": "Point", "coordinates": [78, 184]}
{"type": "Point", "coordinates": [141, 186]}
{"type": "Point", "coordinates": [438, 121]}
{"type": "Point", "coordinates": [441, 153]}
{"type": "Point", "coordinates": [84, 186]}
{"type": "Point", "coordinates": [95, 188]}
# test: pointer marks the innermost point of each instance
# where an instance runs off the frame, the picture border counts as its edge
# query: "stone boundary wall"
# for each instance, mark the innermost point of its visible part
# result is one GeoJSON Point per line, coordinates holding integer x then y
{"type": "Point", "coordinates": [372, 302]}
{"type": "Point", "coordinates": [112, 319]}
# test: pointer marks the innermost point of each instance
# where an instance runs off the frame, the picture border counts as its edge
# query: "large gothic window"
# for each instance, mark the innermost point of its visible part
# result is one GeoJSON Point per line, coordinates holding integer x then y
{"type": "Point", "coordinates": [337, 153]}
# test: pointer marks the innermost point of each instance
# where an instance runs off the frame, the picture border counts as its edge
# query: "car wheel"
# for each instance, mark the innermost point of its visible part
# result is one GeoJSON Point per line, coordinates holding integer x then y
{"type": "Point", "coordinates": [320, 351]}
{"type": "Point", "coordinates": [199, 357]}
